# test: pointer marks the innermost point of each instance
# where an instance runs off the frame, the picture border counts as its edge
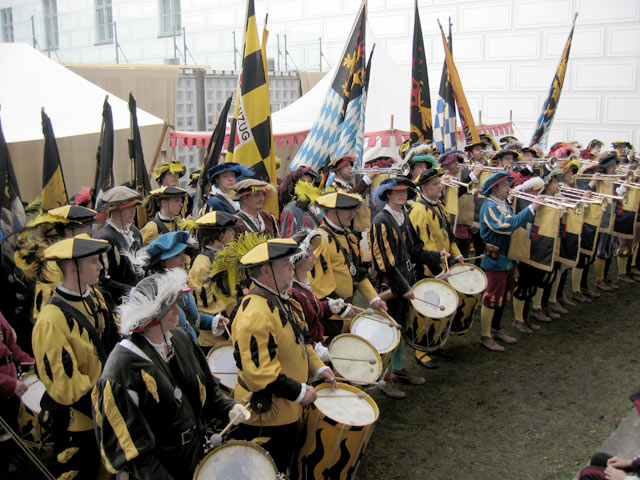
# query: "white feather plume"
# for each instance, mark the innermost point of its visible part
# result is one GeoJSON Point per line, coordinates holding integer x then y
{"type": "Point", "coordinates": [535, 184]}
{"type": "Point", "coordinates": [139, 259]}
{"type": "Point", "coordinates": [305, 247]}
{"type": "Point", "coordinates": [144, 304]}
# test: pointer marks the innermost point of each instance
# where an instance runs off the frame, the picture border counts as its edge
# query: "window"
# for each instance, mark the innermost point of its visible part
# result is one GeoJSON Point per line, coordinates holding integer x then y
{"type": "Point", "coordinates": [104, 21]}
{"type": "Point", "coordinates": [6, 19]}
{"type": "Point", "coordinates": [50, 9]}
{"type": "Point", "coordinates": [170, 17]}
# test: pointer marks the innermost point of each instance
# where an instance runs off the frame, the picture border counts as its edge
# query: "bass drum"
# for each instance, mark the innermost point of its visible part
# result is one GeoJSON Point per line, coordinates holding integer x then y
{"type": "Point", "coordinates": [430, 314]}
{"type": "Point", "coordinates": [470, 282]}
{"type": "Point", "coordinates": [236, 460]}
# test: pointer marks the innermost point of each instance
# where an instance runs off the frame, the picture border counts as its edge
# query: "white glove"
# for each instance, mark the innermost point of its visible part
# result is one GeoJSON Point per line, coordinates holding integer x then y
{"type": "Point", "coordinates": [336, 305]}
{"type": "Point", "coordinates": [322, 352]}
{"type": "Point", "coordinates": [241, 412]}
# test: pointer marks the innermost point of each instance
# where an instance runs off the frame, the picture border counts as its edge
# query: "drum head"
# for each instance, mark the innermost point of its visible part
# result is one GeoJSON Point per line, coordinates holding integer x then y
{"type": "Point", "coordinates": [375, 328]}
{"type": "Point", "coordinates": [31, 398]}
{"type": "Point", "coordinates": [468, 279]}
{"type": "Point", "coordinates": [367, 364]}
{"type": "Point", "coordinates": [221, 362]}
{"type": "Point", "coordinates": [238, 461]}
{"type": "Point", "coordinates": [347, 405]}
{"type": "Point", "coordinates": [436, 292]}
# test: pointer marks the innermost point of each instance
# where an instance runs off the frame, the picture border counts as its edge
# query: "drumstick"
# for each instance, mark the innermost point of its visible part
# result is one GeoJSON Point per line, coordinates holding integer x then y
{"type": "Point", "coordinates": [358, 395]}
{"type": "Point", "coordinates": [368, 312]}
{"type": "Point", "coordinates": [226, 329]}
{"type": "Point", "coordinates": [216, 438]}
{"type": "Point", "coordinates": [372, 361]}
{"type": "Point", "coordinates": [380, 383]}
{"type": "Point", "coordinates": [224, 373]}
{"type": "Point", "coordinates": [441, 307]}
{"type": "Point", "coordinates": [461, 271]}
{"type": "Point", "coordinates": [474, 258]}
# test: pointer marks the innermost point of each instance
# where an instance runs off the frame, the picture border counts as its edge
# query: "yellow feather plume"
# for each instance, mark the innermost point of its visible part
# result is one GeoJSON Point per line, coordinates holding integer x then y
{"type": "Point", "coordinates": [306, 191]}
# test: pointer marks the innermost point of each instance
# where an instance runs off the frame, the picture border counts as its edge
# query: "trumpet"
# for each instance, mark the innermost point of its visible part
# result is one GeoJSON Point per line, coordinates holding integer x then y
{"type": "Point", "coordinates": [549, 201]}
{"type": "Point", "coordinates": [616, 177]}
{"type": "Point", "coordinates": [472, 187]}
{"type": "Point", "coordinates": [608, 197]}
{"type": "Point", "coordinates": [402, 169]}
{"type": "Point", "coordinates": [577, 194]}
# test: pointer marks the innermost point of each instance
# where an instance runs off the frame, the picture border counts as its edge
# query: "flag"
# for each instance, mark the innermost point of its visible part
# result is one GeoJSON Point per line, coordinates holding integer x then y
{"type": "Point", "coordinates": [212, 157]}
{"type": "Point", "coordinates": [339, 128]}
{"type": "Point", "coordinates": [104, 156]}
{"type": "Point", "coordinates": [420, 117]}
{"type": "Point", "coordinates": [468, 124]}
{"type": "Point", "coordinates": [139, 176]}
{"type": "Point", "coordinates": [550, 106]}
{"type": "Point", "coordinates": [445, 122]}
{"type": "Point", "coordinates": [250, 137]}
{"type": "Point", "coordinates": [12, 216]}
{"type": "Point", "coordinates": [54, 190]}
{"type": "Point", "coordinates": [271, 201]}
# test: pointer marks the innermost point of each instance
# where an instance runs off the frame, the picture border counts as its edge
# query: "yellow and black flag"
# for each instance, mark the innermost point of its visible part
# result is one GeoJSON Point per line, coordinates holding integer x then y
{"type": "Point", "coordinates": [104, 155]}
{"type": "Point", "coordinates": [550, 106]}
{"type": "Point", "coordinates": [468, 124]}
{"type": "Point", "coordinates": [250, 138]}
{"type": "Point", "coordinates": [12, 216]}
{"type": "Point", "coordinates": [421, 123]}
{"type": "Point", "coordinates": [139, 176]}
{"type": "Point", "coordinates": [54, 190]}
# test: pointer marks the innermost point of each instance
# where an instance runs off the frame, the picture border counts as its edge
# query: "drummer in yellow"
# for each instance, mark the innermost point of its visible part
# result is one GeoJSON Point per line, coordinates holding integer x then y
{"type": "Point", "coordinates": [72, 337]}
{"type": "Point", "coordinates": [433, 225]}
{"type": "Point", "coordinates": [340, 268]}
{"type": "Point", "coordinates": [274, 352]}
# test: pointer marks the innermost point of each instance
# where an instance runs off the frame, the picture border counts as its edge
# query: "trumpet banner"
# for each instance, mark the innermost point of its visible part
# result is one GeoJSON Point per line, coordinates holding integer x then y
{"type": "Point", "coordinates": [451, 205]}
{"type": "Point", "coordinates": [608, 215]}
{"type": "Point", "coordinates": [535, 244]}
{"type": "Point", "coordinates": [570, 232]}
{"type": "Point", "coordinates": [590, 228]}
{"type": "Point", "coordinates": [624, 223]}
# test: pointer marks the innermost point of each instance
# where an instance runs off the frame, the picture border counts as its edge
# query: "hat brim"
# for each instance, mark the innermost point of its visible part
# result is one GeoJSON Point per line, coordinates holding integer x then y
{"type": "Point", "coordinates": [268, 252]}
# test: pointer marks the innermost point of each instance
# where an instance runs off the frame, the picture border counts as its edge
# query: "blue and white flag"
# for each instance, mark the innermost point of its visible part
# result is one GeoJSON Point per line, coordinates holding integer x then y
{"type": "Point", "coordinates": [445, 125]}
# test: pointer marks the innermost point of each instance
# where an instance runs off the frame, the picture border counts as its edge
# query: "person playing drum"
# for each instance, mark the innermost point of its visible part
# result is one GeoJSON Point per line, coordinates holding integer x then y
{"type": "Point", "coordinates": [395, 247]}
{"type": "Point", "coordinates": [432, 223]}
{"type": "Point", "coordinates": [156, 388]}
{"type": "Point", "coordinates": [274, 352]}
{"type": "Point", "coordinates": [340, 268]}
{"type": "Point", "coordinates": [497, 223]}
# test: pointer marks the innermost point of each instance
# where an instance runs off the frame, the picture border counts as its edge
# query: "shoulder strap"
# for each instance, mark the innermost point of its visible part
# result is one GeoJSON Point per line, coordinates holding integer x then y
{"type": "Point", "coordinates": [162, 228]}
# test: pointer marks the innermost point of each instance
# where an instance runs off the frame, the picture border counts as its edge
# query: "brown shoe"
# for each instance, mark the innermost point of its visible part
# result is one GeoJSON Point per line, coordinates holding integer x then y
{"type": "Point", "coordinates": [490, 344]}
{"type": "Point", "coordinates": [589, 292]}
{"type": "Point", "coordinates": [391, 390]}
{"type": "Point", "coordinates": [635, 271]}
{"type": "Point", "coordinates": [566, 302]}
{"type": "Point", "coordinates": [626, 279]}
{"type": "Point", "coordinates": [532, 326]}
{"type": "Point", "coordinates": [500, 335]}
{"type": "Point", "coordinates": [405, 376]}
{"type": "Point", "coordinates": [539, 315]}
{"type": "Point", "coordinates": [521, 326]}
{"type": "Point", "coordinates": [581, 297]}
{"type": "Point", "coordinates": [615, 286]}
{"type": "Point", "coordinates": [556, 307]}
{"type": "Point", "coordinates": [602, 285]}
{"type": "Point", "coordinates": [551, 314]}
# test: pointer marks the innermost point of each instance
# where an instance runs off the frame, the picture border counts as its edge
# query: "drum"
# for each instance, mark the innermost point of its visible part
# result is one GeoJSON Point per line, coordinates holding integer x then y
{"type": "Point", "coordinates": [338, 427]}
{"type": "Point", "coordinates": [380, 330]}
{"type": "Point", "coordinates": [30, 429]}
{"type": "Point", "coordinates": [366, 365]}
{"type": "Point", "coordinates": [470, 282]}
{"type": "Point", "coordinates": [238, 460]}
{"type": "Point", "coordinates": [428, 326]}
{"type": "Point", "coordinates": [223, 366]}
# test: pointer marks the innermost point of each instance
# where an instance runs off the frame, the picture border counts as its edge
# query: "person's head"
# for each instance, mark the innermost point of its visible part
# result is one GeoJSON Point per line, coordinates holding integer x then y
{"type": "Point", "coordinates": [395, 192]}
{"type": "Point", "coordinates": [475, 151]}
{"type": "Point", "coordinates": [304, 261]}
{"type": "Point", "coordinates": [417, 168]}
{"type": "Point", "coordinates": [268, 263]}
{"type": "Point", "coordinates": [177, 261]}
{"type": "Point", "coordinates": [569, 169]}
{"type": "Point", "coordinates": [552, 184]}
{"type": "Point", "coordinates": [430, 184]}
{"type": "Point", "coordinates": [151, 304]}
{"type": "Point", "coordinates": [343, 167]}
{"type": "Point", "coordinates": [168, 174]}
{"type": "Point", "coordinates": [505, 158]}
{"type": "Point", "coordinates": [226, 181]}
{"type": "Point", "coordinates": [225, 175]}
{"type": "Point", "coordinates": [339, 207]}
{"type": "Point", "coordinates": [73, 229]}
{"type": "Point", "coordinates": [170, 200]}
{"type": "Point", "coordinates": [621, 147]}
{"type": "Point", "coordinates": [451, 161]}
{"type": "Point", "coordinates": [168, 251]}
{"type": "Point", "coordinates": [498, 185]}
{"type": "Point", "coordinates": [215, 229]}
{"type": "Point", "coordinates": [251, 194]}
{"type": "Point", "coordinates": [78, 259]}
{"type": "Point", "coordinates": [595, 146]}
{"type": "Point", "coordinates": [608, 162]}
{"type": "Point", "coordinates": [501, 190]}
{"type": "Point", "coordinates": [68, 221]}
{"type": "Point", "coordinates": [121, 203]}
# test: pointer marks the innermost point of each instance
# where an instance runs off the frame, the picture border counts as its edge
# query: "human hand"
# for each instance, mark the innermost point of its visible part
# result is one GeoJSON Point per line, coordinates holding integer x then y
{"type": "Point", "coordinates": [614, 474]}
{"type": "Point", "coordinates": [477, 170]}
{"type": "Point", "coordinates": [328, 376]}
{"type": "Point", "coordinates": [460, 259]}
{"type": "Point", "coordinates": [310, 396]}
{"type": "Point", "coordinates": [444, 255]}
{"type": "Point", "coordinates": [20, 388]}
{"type": "Point", "coordinates": [409, 295]}
{"type": "Point", "coordinates": [238, 413]}
{"type": "Point", "coordinates": [380, 305]}
{"type": "Point", "coordinates": [618, 462]}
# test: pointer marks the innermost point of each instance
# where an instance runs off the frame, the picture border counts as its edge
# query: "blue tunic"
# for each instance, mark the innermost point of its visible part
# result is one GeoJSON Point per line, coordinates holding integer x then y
{"type": "Point", "coordinates": [497, 223]}
{"type": "Point", "coordinates": [192, 319]}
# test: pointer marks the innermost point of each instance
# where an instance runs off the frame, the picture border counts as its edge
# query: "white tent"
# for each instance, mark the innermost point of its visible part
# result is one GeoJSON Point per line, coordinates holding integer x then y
{"type": "Point", "coordinates": [30, 81]}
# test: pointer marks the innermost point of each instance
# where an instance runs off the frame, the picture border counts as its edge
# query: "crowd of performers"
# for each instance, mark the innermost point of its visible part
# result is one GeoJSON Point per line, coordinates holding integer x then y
{"type": "Point", "coordinates": [123, 321]}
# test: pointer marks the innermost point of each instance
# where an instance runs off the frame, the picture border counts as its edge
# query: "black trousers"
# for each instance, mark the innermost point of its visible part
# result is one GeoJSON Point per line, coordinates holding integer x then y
{"type": "Point", "coordinates": [77, 451]}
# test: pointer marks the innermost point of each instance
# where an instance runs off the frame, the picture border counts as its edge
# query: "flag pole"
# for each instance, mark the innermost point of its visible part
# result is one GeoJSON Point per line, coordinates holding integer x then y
{"type": "Point", "coordinates": [156, 154]}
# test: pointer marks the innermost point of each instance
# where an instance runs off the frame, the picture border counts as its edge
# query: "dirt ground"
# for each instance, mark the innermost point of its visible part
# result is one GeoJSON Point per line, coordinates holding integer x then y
{"type": "Point", "coordinates": [537, 411]}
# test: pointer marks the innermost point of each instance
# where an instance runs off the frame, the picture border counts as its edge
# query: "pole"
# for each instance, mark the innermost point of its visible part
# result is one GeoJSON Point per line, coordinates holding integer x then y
{"type": "Point", "coordinates": [33, 32]}
{"type": "Point", "coordinates": [115, 40]}
{"type": "Point", "coordinates": [320, 42]}
{"type": "Point", "coordinates": [235, 64]}
{"type": "Point", "coordinates": [286, 61]}
{"type": "Point", "coordinates": [278, 38]}
{"type": "Point", "coordinates": [156, 154]}
{"type": "Point", "coordinates": [184, 38]}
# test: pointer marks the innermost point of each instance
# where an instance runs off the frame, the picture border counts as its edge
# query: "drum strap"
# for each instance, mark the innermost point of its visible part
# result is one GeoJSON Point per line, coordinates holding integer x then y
{"type": "Point", "coordinates": [352, 260]}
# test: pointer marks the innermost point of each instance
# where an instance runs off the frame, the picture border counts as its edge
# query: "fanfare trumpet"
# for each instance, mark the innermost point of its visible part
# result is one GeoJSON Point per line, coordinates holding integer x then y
{"type": "Point", "coordinates": [577, 194]}
{"type": "Point", "coordinates": [548, 201]}
{"type": "Point", "coordinates": [401, 169]}
{"type": "Point", "coordinates": [472, 186]}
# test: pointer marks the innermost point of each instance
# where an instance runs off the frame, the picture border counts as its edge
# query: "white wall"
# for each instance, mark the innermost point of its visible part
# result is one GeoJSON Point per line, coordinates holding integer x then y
{"type": "Point", "coordinates": [506, 50]}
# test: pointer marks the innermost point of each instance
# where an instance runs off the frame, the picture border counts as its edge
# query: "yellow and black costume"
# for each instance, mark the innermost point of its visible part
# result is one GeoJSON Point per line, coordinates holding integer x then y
{"type": "Point", "coordinates": [158, 224]}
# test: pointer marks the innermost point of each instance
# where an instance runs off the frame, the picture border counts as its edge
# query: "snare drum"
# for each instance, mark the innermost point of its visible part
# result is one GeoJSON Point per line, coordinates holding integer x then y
{"type": "Point", "coordinates": [380, 330]}
{"type": "Point", "coordinates": [238, 460]}
{"type": "Point", "coordinates": [30, 430]}
{"type": "Point", "coordinates": [470, 282]}
{"type": "Point", "coordinates": [337, 432]}
{"type": "Point", "coordinates": [428, 326]}
{"type": "Point", "coordinates": [367, 364]}
{"type": "Point", "coordinates": [223, 366]}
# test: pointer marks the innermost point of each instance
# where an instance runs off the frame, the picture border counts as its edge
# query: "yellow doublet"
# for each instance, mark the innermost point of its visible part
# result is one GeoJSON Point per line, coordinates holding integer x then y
{"type": "Point", "coordinates": [330, 272]}
{"type": "Point", "coordinates": [150, 231]}
{"type": "Point", "coordinates": [268, 349]}
{"type": "Point", "coordinates": [431, 232]}
{"type": "Point", "coordinates": [67, 362]}
{"type": "Point", "coordinates": [205, 299]}
{"type": "Point", "coordinates": [44, 290]}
